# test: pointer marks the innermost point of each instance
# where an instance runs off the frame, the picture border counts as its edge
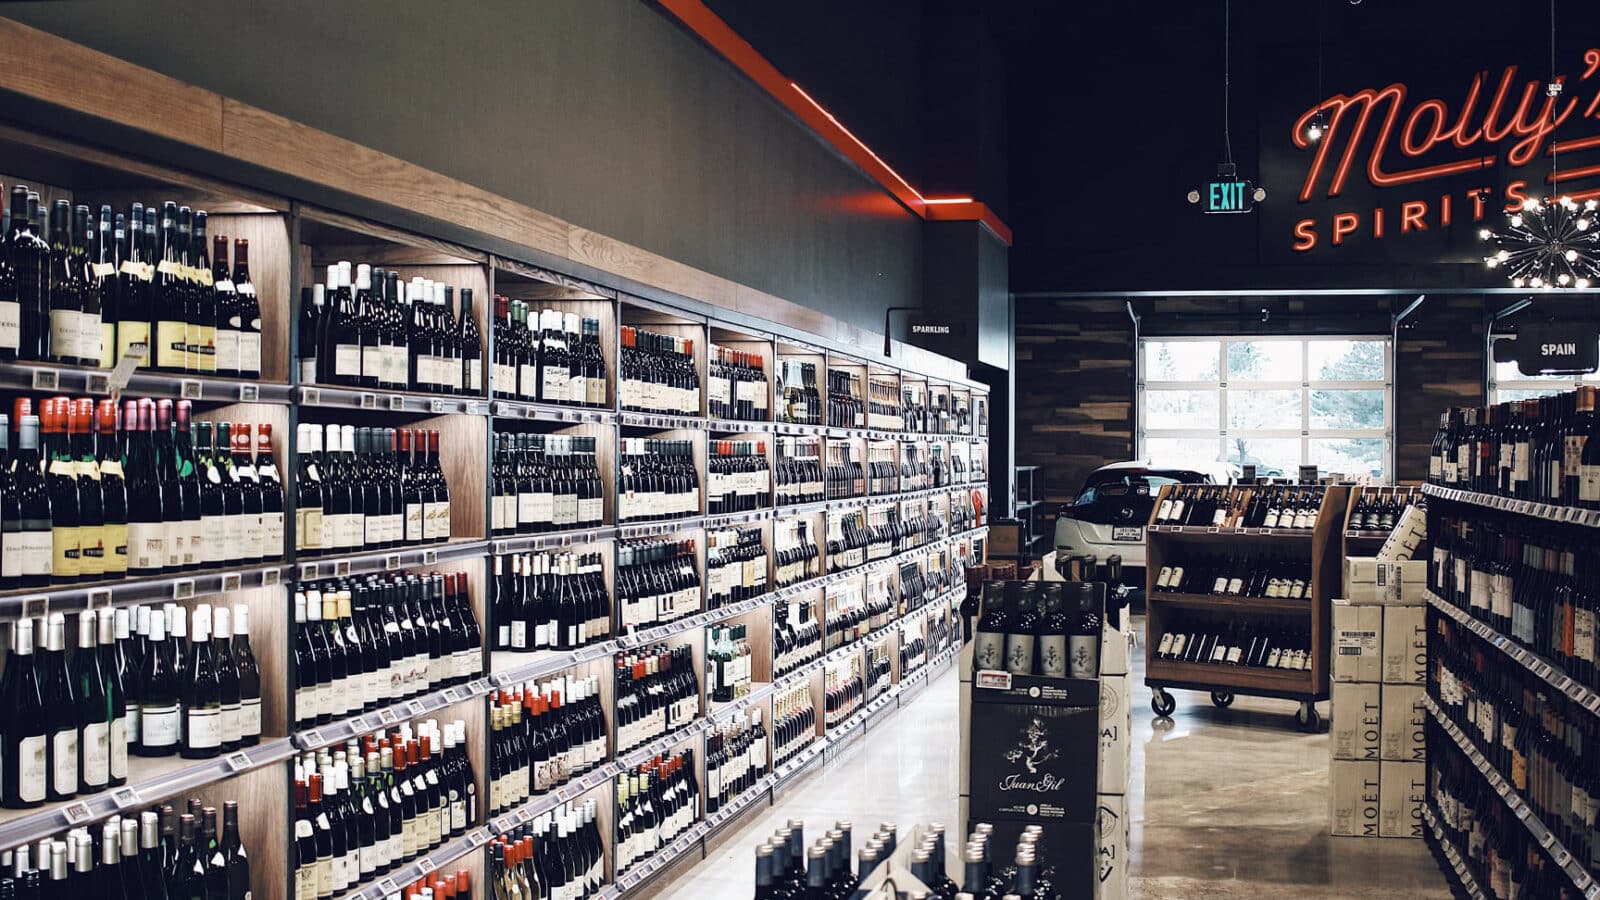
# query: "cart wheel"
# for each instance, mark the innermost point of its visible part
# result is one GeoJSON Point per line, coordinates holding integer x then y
{"type": "Point", "coordinates": [1308, 718]}
{"type": "Point", "coordinates": [1163, 703]}
{"type": "Point", "coordinates": [1222, 699]}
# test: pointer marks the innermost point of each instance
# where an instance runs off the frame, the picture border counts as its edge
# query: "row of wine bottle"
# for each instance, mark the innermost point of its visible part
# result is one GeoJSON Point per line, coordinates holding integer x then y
{"type": "Point", "coordinates": [364, 328]}
{"type": "Point", "coordinates": [367, 642]}
{"type": "Point", "coordinates": [544, 483]}
{"type": "Point", "coordinates": [1537, 449]}
{"type": "Point", "coordinates": [549, 601]}
{"type": "Point", "coordinates": [656, 693]}
{"type": "Point", "coordinates": [557, 856]}
{"type": "Point", "coordinates": [657, 373]}
{"type": "Point", "coordinates": [736, 565]}
{"type": "Point", "coordinates": [1272, 506]}
{"type": "Point", "coordinates": [1531, 580]}
{"type": "Point", "coordinates": [377, 803]}
{"type": "Point", "coordinates": [654, 805]}
{"type": "Point", "coordinates": [100, 498]}
{"type": "Point", "coordinates": [1238, 643]}
{"type": "Point", "coordinates": [368, 489]}
{"type": "Point", "coordinates": [1238, 575]}
{"type": "Point", "coordinates": [71, 723]}
{"type": "Point", "coordinates": [86, 292]}
{"type": "Point", "coordinates": [150, 855]}
{"type": "Point", "coordinates": [554, 357]}
{"type": "Point", "coordinates": [736, 758]}
{"type": "Point", "coordinates": [1050, 629]}
{"type": "Point", "coordinates": [1542, 743]}
{"type": "Point", "coordinates": [541, 737]}
{"type": "Point", "coordinates": [736, 385]}
{"type": "Point", "coordinates": [796, 638]}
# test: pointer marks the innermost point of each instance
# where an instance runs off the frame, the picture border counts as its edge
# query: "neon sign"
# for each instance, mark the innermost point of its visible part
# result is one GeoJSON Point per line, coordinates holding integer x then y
{"type": "Point", "coordinates": [1509, 119]}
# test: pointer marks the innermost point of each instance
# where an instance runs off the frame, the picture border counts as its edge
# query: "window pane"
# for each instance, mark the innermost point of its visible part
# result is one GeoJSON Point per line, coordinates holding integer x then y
{"type": "Point", "coordinates": [1180, 451]}
{"type": "Point", "coordinates": [1352, 456]}
{"type": "Point", "coordinates": [1180, 409]}
{"type": "Point", "coordinates": [1264, 361]}
{"type": "Point", "coordinates": [1346, 409]}
{"type": "Point", "coordinates": [1272, 457]}
{"type": "Point", "coordinates": [1506, 395]}
{"type": "Point", "coordinates": [1180, 360]}
{"type": "Point", "coordinates": [1264, 409]}
{"type": "Point", "coordinates": [1346, 360]}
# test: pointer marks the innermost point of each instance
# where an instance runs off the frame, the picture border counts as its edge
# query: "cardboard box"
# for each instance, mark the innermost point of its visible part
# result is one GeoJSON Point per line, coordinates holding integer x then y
{"type": "Point", "coordinates": [1355, 798]}
{"type": "Point", "coordinates": [1357, 642]}
{"type": "Point", "coordinates": [1403, 786]}
{"type": "Point", "coordinates": [1116, 722]}
{"type": "Point", "coordinates": [1371, 580]}
{"type": "Point", "coordinates": [1356, 731]}
{"type": "Point", "coordinates": [1404, 731]}
{"type": "Point", "coordinates": [1405, 645]}
{"type": "Point", "coordinates": [1112, 825]}
{"type": "Point", "coordinates": [1408, 534]}
{"type": "Point", "coordinates": [1115, 648]}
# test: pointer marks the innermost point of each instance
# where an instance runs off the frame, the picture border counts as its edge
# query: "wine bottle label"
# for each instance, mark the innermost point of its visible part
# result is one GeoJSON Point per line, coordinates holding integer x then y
{"type": "Point", "coordinates": [33, 772]}
{"type": "Point", "coordinates": [227, 350]}
{"type": "Point", "coordinates": [324, 870]}
{"type": "Point", "coordinates": [11, 554]}
{"type": "Point", "coordinates": [159, 725]}
{"type": "Point", "coordinates": [133, 716]}
{"type": "Point", "coordinates": [64, 761]}
{"type": "Point", "coordinates": [117, 746]}
{"type": "Point", "coordinates": [1084, 655]}
{"type": "Point", "coordinates": [195, 544]}
{"type": "Point", "coordinates": [89, 338]}
{"type": "Point", "coordinates": [346, 360]}
{"type": "Point", "coordinates": [414, 512]}
{"type": "Point", "coordinates": [250, 717]}
{"type": "Point", "coordinates": [271, 535]}
{"type": "Point", "coordinates": [65, 551]}
{"type": "Point", "coordinates": [1019, 654]}
{"type": "Point", "coordinates": [96, 745]}
{"type": "Point", "coordinates": [308, 370]}
{"type": "Point", "coordinates": [231, 724]}
{"type": "Point", "coordinates": [236, 536]}
{"type": "Point", "coordinates": [171, 345]}
{"type": "Point", "coordinates": [204, 728]}
{"type": "Point", "coordinates": [66, 328]}
{"type": "Point", "coordinates": [10, 324]}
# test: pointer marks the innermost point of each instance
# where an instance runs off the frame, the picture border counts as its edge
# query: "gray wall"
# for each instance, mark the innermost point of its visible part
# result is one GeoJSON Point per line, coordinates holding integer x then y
{"type": "Point", "coordinates": [602, 112]}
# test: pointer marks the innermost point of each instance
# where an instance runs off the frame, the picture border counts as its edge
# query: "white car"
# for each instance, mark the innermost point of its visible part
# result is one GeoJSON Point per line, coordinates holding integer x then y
{"type": "Point", "coordinates": [1109, 516]}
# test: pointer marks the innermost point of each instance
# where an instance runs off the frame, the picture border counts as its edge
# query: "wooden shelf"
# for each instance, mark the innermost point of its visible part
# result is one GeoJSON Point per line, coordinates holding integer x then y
{"type": "Point", "coordinates": [1208, 676]}
{"type": "Point", "coordinates": [1241, 605]}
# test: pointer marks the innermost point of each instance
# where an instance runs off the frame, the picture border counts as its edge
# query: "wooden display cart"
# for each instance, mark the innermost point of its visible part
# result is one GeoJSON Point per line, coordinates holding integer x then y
{"type": "Point", "coordinates": [1320, 545]}
{"type": "Point", "coordinates": [1360, 541]}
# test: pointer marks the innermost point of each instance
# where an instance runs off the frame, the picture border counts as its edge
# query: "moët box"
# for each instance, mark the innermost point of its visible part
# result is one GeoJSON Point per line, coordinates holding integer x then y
{"type": "Point", "coordinates": [1355, 798]}
{"type": "Point", "coordinates": [1356, 732]}
{"type": "Point", "coordinates": [1357, 642]}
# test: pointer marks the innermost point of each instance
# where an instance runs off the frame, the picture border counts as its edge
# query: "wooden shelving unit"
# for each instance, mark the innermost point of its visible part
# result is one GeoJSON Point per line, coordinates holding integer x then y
{"type": "Point", "coordinates": [1360, 541]}
{"type": "Point", "coordinates": [290, 243]}
{"type": "Point", "coordinates": [1320, 546]}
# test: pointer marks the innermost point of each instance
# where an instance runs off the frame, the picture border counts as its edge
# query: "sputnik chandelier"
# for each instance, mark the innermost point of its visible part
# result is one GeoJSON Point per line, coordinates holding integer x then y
{"type": "Point", "coordinates": [1548, 244]}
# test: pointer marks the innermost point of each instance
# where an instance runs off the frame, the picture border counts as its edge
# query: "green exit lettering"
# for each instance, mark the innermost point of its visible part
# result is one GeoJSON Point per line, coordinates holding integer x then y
{"type": "Point", "coordinates": [1225, 196]}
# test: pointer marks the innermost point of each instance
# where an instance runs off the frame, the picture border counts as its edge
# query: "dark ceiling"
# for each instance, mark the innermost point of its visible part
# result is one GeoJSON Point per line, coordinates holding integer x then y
{"type": "Point", "coordinates": [1085, 124]}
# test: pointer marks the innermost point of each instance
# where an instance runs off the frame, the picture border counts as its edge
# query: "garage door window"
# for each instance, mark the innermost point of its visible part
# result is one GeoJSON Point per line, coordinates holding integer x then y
{"type": "Point", "coordinates": [1278, 403]}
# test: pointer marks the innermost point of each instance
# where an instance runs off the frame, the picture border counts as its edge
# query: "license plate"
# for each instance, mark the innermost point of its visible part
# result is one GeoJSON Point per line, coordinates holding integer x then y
{"type": "Point", "coordinates": [1129, 533]}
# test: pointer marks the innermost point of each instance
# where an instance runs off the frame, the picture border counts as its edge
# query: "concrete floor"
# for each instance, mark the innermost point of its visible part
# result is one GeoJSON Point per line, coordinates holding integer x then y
{"type": "Point", "coordinates": [1224, 803]}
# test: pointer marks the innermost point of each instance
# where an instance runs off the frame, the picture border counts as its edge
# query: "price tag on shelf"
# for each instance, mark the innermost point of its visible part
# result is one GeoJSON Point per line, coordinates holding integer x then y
{"type": "Point", "coordinates": [312, 738]}
{"type": "Point", "coordinates": [367, 400]}
{"type": "Point", "coordinates": [99, 597]}
{"type": "Point", "coordinates": [183, 589]}
{"type": "Point", "coordinates": [78, 813]}
{"type": "Point", "coordinates": [271, 578]}
{"type": "Point", "coordinates": [125, 797]}
{"type": "Point", "coordinates": [436, 406]}
{"type": "Point", "coordinates": [415, 708]}
{"type": "Point", "coordinates": [308, 571]}
{"type": "Point", "coordinates": [388, 716]}
{"type": "Point", "coordinates": [386, 887]}
{"type": "Point", "coordinates": [190, 389]}
{"type": "Point", "coordinates": [341, 568]}
{"type": "Point", "coordinates": [1546, 839]}
{"type": "Point", "coordinates": [237, 762]}
{"type": "Point", "coordinates": [1592, 704]}
{"type": "Point", "coordinates": [360, 725]}
{"type": "Point", "coordinates": [426, 864]}
{"type": "Point", "coordinates": [430, 557]}
{"type": "Point", "coordinates": [310, 396]}
{"type": "Point", "coordinates": [231, 581]}
{"type": "Point", "coordinates": [478, 838]}
{"type": "Point", "coordinates": [1592, 893]}
{"type": "Point", "coordinates": [391, 561]}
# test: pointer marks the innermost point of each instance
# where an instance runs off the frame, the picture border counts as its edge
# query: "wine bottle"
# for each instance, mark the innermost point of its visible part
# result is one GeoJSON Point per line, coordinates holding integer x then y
{"type": "Point", "coordinates": [24, 736]}
{"type": "Point", "coordinates": [248, 306]}
{"type": "Point", "coordinates": [61, 710]}
{"type": "Point", "coordinates": [66, 286]}
{"type": "Point", "coordinates": [160, 722]}
{"type": "Point", "coordinates": [202, 693]}
{"type": "Point", "coordinates": [228, 312]}
{"type": "Point", "coordinates": [10, 305]}
{"type": "Point", "coordinates": [62, 475]}
{"type": "Point", "coordinates": [989, 647]}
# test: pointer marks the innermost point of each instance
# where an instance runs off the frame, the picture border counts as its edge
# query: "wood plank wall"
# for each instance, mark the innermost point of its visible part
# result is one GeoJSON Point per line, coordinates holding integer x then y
{"type": "Point", "coordinates": [1074, 407]}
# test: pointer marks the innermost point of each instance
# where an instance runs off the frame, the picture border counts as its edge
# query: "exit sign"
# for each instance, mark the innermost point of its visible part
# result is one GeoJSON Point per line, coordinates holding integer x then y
{"type": "Point", "coordinates": [1227, 193]}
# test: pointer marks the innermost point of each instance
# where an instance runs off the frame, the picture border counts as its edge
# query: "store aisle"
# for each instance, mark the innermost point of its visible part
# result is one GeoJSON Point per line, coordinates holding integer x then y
{"type": "Point", "coordinates": [1234, 803]}
{"type": "Point", "coordinates": [1225, 804]}
{"type": "Point", "coordinates": [903, 770]}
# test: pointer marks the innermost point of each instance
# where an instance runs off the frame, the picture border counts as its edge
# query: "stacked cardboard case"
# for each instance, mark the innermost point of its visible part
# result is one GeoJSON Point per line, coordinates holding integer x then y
{"type": "Point", "coordinates": [1116, 718]}
{"type": "Point", "coordinates": [1378, 770]}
